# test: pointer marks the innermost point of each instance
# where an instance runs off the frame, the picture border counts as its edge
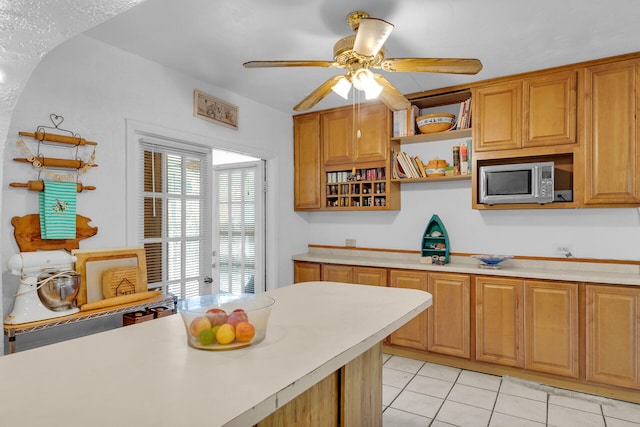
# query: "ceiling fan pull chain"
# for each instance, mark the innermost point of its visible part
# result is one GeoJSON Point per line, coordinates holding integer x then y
{"type": "Point", "coordinates": [355, 115]}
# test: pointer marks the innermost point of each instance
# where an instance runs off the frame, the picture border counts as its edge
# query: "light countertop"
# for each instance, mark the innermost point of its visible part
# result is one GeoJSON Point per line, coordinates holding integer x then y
{"type": "Point", "coordinates": [564, 270]}
{"type": "Point", "coordinates": [146, 375]}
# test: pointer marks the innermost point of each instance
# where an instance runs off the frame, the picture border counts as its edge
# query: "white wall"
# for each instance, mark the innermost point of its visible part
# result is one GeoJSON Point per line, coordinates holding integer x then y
{"type": "Point", "coordinates": [590, 233]}
{"type": "Point", "coordinates": [97, 88]}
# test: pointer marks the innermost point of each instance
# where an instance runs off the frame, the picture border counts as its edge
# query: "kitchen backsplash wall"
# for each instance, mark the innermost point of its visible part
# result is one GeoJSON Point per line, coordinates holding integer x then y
{"type": "Point", "coordinates": [589, 233]}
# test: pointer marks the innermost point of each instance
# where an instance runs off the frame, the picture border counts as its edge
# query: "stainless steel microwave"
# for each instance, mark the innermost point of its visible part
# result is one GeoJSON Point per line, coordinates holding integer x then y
{"type": "Point", "coordinates": [516, 183]}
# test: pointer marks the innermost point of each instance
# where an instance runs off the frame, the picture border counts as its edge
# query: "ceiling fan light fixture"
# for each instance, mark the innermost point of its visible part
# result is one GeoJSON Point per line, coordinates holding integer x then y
{"type": "Point", "coordinates": [364, 80]}
{"type": "Point", "coordinates": [361, 78]}
{"type": "Point", "coordinates": [372, 91]}
{"type": "Point", "coordinates": [342, 87]}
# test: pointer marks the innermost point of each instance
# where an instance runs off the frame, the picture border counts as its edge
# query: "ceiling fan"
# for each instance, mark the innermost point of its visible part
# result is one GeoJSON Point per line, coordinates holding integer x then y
{"type": "Point", "coordinates": [360, 53]}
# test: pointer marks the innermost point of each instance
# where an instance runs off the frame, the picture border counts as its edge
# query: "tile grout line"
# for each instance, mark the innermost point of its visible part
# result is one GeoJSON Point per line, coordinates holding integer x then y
{"type": "Point", "coordinates": [447, 396]}
{"type": "Point", "coordinates": [547, 414]}
{"type": "Point", "coordinates": [404, 387]}
{"type": "Point", "coordinates": [493, 408]}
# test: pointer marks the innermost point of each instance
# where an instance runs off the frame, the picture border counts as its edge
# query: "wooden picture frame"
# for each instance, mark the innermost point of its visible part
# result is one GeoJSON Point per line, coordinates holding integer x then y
{"type": "Point", "coordinates": [215, 110]}
{"type": "Point", "coordinates": [91, 264]}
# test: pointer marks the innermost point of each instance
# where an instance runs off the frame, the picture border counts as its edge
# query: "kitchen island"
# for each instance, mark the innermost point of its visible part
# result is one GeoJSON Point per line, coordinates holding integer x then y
{"type": "Point", "coordinates": [322, 336]}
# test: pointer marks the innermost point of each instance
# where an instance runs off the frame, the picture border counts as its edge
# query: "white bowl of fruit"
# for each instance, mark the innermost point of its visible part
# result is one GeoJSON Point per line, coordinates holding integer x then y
{"type": "Point", "coordinates": [225, 321]}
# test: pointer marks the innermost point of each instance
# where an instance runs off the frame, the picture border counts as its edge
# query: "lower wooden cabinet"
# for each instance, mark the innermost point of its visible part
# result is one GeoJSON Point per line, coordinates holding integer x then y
{"type": "Point", "coordinates": [337, 273]}
{"type": "Point", "coordinates": [499, 321]}
{"type": "Point", "coordinates": [449, 315]}
{"type": "Point", "coordinates": [306, 271]}
{"type": "Point", "coordinates": [586, 332]}
{"type": "Point", "coordinates": [414, 333]}
{"type": "Point", "coordinates": [375, 276]}
{"type": "Point", "coordinates": [551, 327]}
{"type": "Point", "coordinates": [529, 324]}
{"type": "Point", "coordinates": [612, 335]}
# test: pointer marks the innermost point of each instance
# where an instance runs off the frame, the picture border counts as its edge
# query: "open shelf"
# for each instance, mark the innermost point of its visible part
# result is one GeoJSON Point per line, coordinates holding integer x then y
{"type": "Point", "coordinates": [343, 190]}
{"type": "Point", "coordinates": [434, 179]}
{"type": "Point", "coordinates": [434, 137]}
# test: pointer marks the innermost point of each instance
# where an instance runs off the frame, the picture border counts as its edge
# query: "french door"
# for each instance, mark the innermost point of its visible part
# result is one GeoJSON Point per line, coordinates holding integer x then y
{"type": "Point", "coordinates": [239, 227]}
{"type": "Point", "coordinates": [175, 202]}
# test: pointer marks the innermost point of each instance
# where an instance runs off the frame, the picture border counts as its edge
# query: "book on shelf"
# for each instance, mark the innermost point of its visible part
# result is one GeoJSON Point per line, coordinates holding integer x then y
{"type": "Point", "coordinates": [402, 161]}
{"type": "Point", "coordinates": [406, 166]}
{"type": "Point", "coordinates": [410, 161]}
{"type": "Point", "coordinates": [465, 157]}
{"type": "Point", "coordinates": [413, 112]}
{"type": "Point", "coordinates": [404, 121]}
{"type": "Point", "coordinates": [464, 115]}
{"type": "Point", "coordinates": [398, 171]}
{"type": "Point", "coordinates": [423, 173]}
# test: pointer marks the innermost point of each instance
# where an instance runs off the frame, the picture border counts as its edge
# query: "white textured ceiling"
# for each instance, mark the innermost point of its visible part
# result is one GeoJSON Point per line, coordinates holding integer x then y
{"type": "Point", "coordinates": [211, 39]}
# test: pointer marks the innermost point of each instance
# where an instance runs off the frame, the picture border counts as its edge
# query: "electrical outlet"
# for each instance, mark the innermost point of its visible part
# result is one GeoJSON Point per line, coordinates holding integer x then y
{"type": "Point", "coordinates": [350, 243]}
{"type": "Point", "coordinates": [562, 249]}
{"type": "Point", "coordinates": [563, 196]}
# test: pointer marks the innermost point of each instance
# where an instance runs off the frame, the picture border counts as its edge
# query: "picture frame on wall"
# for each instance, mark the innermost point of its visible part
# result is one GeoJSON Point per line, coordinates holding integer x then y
{"type": "Point", "coordinates": [215, 110]}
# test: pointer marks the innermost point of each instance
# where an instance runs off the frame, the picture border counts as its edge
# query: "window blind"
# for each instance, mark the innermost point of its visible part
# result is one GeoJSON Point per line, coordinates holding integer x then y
{"type": "Point", "coordinates": [238, 227]}
{"type": "Point", "coordinates": [175, 222]}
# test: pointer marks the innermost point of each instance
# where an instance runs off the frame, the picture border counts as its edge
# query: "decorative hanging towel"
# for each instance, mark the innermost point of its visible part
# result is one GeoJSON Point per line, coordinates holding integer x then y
{"type": "Point", "coordinates": [58, 210]}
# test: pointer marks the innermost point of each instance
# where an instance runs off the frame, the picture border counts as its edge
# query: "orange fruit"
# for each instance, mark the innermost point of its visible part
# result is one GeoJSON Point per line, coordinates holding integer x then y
{"type": "Point", "coordinates": [245, 331]}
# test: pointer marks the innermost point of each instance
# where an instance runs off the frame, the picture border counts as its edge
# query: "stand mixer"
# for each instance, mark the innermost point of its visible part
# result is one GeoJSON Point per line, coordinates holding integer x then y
{"type": "Point", "coordinates": [48, 286]}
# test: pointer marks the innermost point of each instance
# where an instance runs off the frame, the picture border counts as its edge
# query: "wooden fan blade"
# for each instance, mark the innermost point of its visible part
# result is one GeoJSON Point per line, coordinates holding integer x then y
{"type": "Point", "coordinates": [314, 97]}
{"type": "Point", "coordinates": [432, 65]}
{"type": "Point", "coordinates": [371, 35]}
{"type": "Point", "coordinates": [267, 64]}
{"type": "Point", "coordinates": [390, 96]}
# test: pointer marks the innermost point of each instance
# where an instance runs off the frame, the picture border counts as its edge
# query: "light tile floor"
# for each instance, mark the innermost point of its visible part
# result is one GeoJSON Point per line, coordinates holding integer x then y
{"type": "Point", "coordinates": [417, 393]}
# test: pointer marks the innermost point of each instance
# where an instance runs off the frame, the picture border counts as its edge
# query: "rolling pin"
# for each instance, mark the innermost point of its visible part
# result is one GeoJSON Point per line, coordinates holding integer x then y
{"type": "Point", "coordinates": [56, 163]}
{"type": "Point", "coordinates": [42, 136]}
{"type": "Point", "coordinates": [123, 299]}
{"type": "Point", "coordinates": [39, 186]}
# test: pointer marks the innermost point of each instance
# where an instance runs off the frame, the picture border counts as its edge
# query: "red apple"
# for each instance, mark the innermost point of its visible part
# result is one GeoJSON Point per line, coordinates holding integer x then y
{"type": "Point", "coordinates": [238, 315]}
{"type": "Point", "coordinates": [217, 316]}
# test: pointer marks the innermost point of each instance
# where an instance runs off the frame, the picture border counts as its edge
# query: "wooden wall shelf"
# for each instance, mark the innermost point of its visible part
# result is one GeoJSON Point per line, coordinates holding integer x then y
{"type": "Point", "coordinates": [434, 137]}
{"type": "Point", "coordinates": [434, 179]}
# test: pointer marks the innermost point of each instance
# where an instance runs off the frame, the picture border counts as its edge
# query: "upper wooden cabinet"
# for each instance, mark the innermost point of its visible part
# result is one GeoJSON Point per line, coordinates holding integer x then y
{"type": "Point", "coordinates": [534, 111]}
{"type": "Point", "coordinates": [306, 162]}
{"type": "Point", "coordinates": [612, 129]}
{"type": "Point", "coordinates": [549, 109]}
{"type": "Point", "coordinates": [330, 145]}
{"type": "Point", "coordinates": [497, 111]}
{"type": "Point", "coordinates": [341, 141]}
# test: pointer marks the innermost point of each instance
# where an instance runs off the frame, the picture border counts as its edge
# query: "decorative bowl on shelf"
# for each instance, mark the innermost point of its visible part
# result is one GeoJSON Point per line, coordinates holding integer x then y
{"type": "Point", "coordinates": [436, 122]}
{"type": "Point", "coordinates": [225, 321]}
{"type": "Point", "coordinates": [491, 261]}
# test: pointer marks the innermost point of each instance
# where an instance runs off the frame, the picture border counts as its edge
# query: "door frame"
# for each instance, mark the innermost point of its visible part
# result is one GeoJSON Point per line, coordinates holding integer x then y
{"type": "Point", "coordinates": [136, 130]}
